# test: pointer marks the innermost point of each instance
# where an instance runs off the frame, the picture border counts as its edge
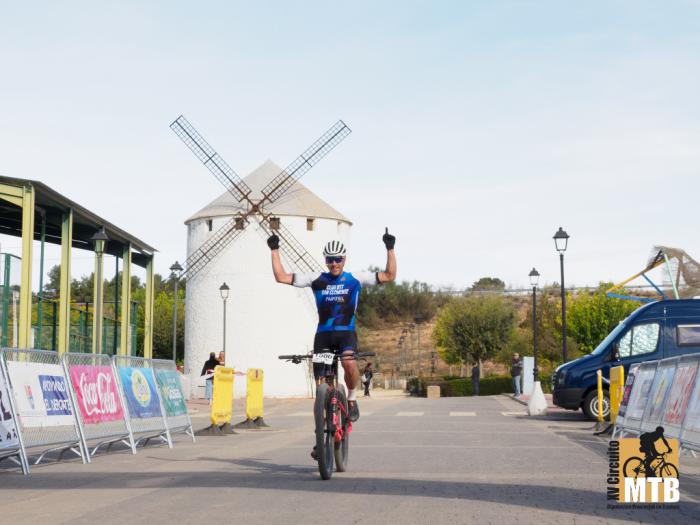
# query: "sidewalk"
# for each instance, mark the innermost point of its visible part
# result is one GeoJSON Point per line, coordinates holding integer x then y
{"type": "Point", "coordinates": [524, 398]}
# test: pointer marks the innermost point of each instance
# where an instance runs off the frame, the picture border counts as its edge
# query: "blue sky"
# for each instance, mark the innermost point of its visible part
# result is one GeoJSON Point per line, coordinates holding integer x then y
{"type": "Point", "coordinates": [478, 127]}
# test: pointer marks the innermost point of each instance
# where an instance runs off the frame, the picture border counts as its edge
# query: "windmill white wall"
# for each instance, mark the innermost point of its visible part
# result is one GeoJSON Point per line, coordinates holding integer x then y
{"type": "Point", "coordinates": [264, 318]}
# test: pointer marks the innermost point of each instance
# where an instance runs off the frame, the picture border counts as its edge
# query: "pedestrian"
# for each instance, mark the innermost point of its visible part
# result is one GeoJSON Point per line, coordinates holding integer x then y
{"type": "Point", "coordinates": [222, 358]}
{"type": "Point", "coordinates": [516, 372]}
{"type": "Point", "coordinates": [208, 370]}
{"type": "Point", "coordinates": [367, 378]}
{"type": "Point", "coordinates": [476, 373]}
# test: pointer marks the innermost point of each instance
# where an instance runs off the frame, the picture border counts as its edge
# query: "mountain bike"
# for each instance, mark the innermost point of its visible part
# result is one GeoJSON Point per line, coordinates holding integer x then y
{"type": "Point", "coordinates": [330, 412]}
{"type": "Point", "coordinates": [634, 467]}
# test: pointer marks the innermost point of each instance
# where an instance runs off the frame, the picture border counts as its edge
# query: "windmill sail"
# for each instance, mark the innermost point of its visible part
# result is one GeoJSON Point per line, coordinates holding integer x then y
{"type": "Point", "coordinates": [300, 259]}
{"type": "Point", "coordinates": [212, 247]}
{"type": "Point", "coordinates": [304, 162]}
{"type": "Point", "coordinates": [210, 158]}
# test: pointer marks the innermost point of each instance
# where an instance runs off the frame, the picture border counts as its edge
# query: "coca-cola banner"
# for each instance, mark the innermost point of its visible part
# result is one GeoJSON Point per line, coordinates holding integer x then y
{"type": "Point", "coordinates": [8, 433]}
{"type": "Point", "coordinates": [96, 393]}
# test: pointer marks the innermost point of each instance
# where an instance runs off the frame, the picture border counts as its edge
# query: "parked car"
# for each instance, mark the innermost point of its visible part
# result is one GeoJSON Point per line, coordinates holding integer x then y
{"type": "Point", "coordinates": [657, 330]}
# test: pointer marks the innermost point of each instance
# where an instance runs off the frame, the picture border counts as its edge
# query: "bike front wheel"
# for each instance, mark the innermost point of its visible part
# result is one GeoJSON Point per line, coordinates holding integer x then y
{"type": "Point", "coordinates": [323, 416]}
{"type": "Point", "coordinates": [668, 470]}
{"type": "Point", "coordinates": [342, 447]}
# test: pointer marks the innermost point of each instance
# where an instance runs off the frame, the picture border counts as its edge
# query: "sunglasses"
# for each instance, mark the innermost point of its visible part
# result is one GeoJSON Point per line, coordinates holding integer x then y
{"type": "Point", "coordinates": [337, 260]}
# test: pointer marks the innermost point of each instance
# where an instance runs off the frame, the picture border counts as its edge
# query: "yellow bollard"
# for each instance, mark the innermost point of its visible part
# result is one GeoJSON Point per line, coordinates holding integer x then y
{"type": "Point", "coordinates": [222, 399]}
{"type": "Point", "coordinates": [254, 396]}
{"type": "Point", "coordinates": [254, 400]}
{"type": "Point", "coordinates": [599, 373]}
{"type": "Point", "coordinates": [617, 388]}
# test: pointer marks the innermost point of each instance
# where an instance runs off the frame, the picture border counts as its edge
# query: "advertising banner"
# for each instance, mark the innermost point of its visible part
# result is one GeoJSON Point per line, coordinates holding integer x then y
{"type": "Point", "coordinates": [8, 432]}
{"type": "Point", "coordinates": [679, 396]}
{"type": "Point", "coordinates": [41, 393]}
{"type": "Point", "coordinates": [140, 392]}
{"type": "Point", "coordinates": [96, 393]}
{"type": "Point", "coordinates": [692, 413]}
{"type": "Point", "coordinates": [629, 383]}
{"type": "Point", "coordinates": [171, 392]}
{"type": "Point", "coordinates": [638, 401]}
{"type": "Point", "coordinates": [659, 391]}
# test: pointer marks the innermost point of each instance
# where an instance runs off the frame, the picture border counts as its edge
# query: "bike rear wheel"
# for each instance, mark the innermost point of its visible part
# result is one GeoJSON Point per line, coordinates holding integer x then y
{"type": "Point", "coordinates": [323, 416]}
{"type": "Point", "coordinates": [634, 468]}
{"type": "Point", "coordinates": [342, 447]}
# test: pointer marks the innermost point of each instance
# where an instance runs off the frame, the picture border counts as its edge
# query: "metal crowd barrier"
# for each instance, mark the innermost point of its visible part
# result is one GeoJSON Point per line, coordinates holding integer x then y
{"type": "Point", "coordinates": [663, 393]}
{"type": "Point", "coordinates": [41, 404]}
{"type": "Point", "coordinates": [170, 390]}
{"type": "Point", "coordinates": [98, 401]}
{"type": "Point", "coordinates": [9, 441]}
{"type": "Point", "coordinates": [143, 403]}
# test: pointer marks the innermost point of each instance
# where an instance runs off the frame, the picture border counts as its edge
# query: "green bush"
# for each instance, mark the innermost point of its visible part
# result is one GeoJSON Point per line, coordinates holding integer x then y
{"type": "Point", "coordinates": [488, 386]}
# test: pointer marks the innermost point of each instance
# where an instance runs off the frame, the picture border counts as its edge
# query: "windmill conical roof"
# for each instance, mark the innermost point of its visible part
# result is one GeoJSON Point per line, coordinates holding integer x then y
{"type": "Point", "coordinates": [297, 201]}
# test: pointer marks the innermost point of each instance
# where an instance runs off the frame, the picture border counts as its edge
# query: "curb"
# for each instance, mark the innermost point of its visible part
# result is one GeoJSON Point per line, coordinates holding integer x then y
{"type": "Point", "coordinates": [512, 396]}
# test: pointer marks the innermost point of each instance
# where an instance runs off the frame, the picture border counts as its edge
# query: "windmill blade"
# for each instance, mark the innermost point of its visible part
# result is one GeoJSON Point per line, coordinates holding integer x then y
{"type": "Point", "coordinates": [307, 160]}
{"type": "Point", "coordinates": [296, 254]}
{"type": "Point", "coordinates": [210, 158]}
{"type": "Point", "coordinates": [212, 247]}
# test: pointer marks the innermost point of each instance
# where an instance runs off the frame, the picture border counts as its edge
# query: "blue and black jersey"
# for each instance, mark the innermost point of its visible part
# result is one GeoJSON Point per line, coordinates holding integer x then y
{"type": "Point", "coordinates": [336, 297]}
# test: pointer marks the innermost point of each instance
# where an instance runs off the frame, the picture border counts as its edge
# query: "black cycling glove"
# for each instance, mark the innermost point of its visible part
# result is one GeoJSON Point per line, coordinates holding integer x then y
{"type": "Point", "coordinates": [273, 242]}
{"type": "Point", "coordinates": [388, 239]}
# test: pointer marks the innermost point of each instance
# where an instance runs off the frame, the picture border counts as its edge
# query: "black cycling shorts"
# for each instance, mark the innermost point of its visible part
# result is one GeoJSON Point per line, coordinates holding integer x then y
{"type": "Point", "coordinates": [337, 342]}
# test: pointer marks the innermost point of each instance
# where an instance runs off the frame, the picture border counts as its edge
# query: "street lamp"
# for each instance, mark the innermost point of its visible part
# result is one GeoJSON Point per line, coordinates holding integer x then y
{"type": "Point", "coordinates": [175, 270]}
{"type": "Point", "coordinates": [99, 239]}
{"type": "Point", "coordinates": [223, 290]}
{"type": "Point", "coordinates": [537, 404]}
{"type": "Point", "coordinates": [561, 241]}
{"type": "Point", "coordinates": [534, 279]}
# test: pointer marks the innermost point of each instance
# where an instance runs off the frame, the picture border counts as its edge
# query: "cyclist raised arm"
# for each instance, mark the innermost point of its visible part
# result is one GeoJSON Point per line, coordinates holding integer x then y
{"type": "Point", "coordinates": [277, 269]}
{"type": "Point", "coordinates": [337, 293]}
{"type": "Point", "coordinates": [389, 274]}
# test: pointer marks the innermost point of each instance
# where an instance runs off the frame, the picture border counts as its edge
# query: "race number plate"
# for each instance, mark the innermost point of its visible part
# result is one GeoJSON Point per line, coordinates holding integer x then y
{"type": "Point", "coordinates": [324, 357]}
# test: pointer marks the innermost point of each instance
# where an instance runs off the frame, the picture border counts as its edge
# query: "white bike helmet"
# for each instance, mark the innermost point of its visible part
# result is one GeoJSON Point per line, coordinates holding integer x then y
{"type": "Point", "coordinates": [334, 249]}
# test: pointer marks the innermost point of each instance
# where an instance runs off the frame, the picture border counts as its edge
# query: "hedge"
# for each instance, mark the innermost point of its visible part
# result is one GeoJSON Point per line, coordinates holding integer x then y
{"type": "Point", "coordinates": [488, 386]}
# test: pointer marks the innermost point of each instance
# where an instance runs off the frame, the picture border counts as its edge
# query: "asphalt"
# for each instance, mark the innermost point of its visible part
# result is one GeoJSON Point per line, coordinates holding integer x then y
{"type": "Point", "coordinates": [450, 460]}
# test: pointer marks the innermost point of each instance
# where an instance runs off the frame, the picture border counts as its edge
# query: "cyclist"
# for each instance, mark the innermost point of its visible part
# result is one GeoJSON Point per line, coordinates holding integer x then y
{"type": "Point", "coordinates": [336, 293]}
{"type": "Point", "coordinates": [647, 446]}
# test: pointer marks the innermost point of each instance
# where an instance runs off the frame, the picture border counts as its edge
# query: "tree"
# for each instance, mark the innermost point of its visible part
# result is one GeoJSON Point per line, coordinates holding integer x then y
{"type": "Point", "coordinates": [393, 303]}
{"type": "Point", "coordinates": [592, 316]}
{"type": "Point", "coordinates": [489, 284]}
{"type": "Point", "coordinates": [473, 328]}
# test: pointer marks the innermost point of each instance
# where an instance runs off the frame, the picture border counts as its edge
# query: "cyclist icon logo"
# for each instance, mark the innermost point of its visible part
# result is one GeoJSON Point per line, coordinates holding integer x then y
{"type": "Point", "coordinates": [643, 469]}
{"type": "Point", "coordinates": [654, 464]}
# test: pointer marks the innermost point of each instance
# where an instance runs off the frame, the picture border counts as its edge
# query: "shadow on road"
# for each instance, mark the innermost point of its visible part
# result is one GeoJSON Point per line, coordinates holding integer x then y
{"type": "Point", "coordinates": [263, 475]}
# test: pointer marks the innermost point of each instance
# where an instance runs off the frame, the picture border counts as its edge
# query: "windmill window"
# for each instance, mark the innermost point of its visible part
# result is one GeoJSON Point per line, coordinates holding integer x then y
{"type": "Point", "coordinates": [210, 224]}
{"type": "Point", "coordinates": [274, 223]}
{"type": "Point", "coordinates": [310, 224]}
{"type": "Point", "coordinates": [239, 223]}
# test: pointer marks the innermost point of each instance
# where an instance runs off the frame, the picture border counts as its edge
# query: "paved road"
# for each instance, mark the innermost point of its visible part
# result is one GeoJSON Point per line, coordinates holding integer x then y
{"type": "Point", "coordinates": [455, 460]}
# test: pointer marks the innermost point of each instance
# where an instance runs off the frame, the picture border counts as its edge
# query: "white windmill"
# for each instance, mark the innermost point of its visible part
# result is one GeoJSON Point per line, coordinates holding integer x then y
{"type": "Point", "coordinates": [264, 318]}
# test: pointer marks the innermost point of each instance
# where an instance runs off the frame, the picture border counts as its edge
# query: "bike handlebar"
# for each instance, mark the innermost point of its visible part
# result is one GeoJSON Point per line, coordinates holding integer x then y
{"type": "Point", "coordinates": [298, 358]}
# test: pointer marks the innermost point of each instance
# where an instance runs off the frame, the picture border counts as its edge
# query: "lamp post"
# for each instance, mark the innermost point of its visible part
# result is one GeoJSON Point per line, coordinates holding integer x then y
{"type": "Point", "coordinates": [537, 403]}
{"type": "Point", "coordinates": [561, 241]}
{"type": "Point", "coordinates": [175, 270]}
{"type": "Point", "coordinates": [99, 238]}
{"type": "Point", "coordinates": [223, 290]}
{"type": "Point", "coordinates": [534, 278]}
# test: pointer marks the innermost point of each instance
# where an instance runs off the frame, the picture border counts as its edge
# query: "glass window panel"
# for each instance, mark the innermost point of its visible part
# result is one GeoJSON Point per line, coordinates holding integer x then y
{"type": "Point", "coordinates": [645, 338]}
